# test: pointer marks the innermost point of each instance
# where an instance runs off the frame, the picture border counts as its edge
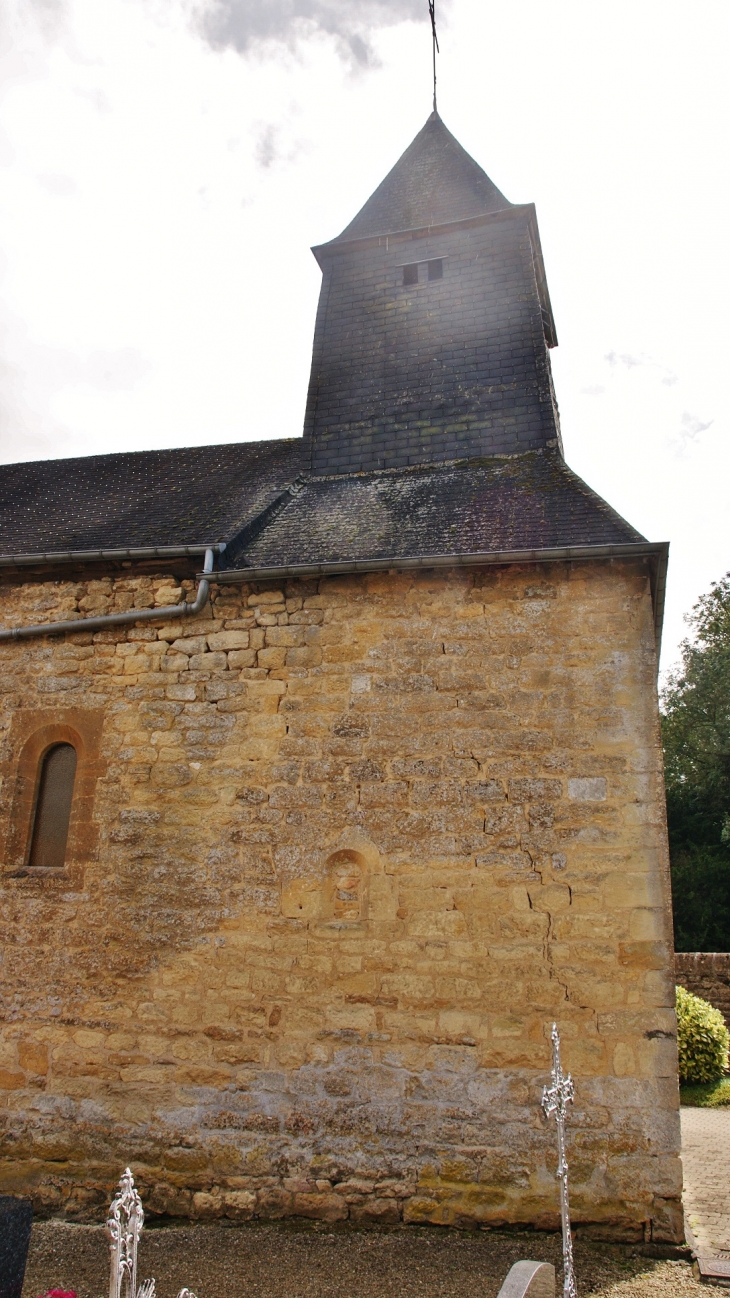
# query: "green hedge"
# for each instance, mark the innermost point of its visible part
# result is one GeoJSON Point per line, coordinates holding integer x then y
{"type": "Point", "coordinates": [702, 1039]}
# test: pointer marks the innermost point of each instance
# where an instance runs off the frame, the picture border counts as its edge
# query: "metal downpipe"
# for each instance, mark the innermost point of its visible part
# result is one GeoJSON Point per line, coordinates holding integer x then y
{"type": "Point", "coordinates": [120, 619]}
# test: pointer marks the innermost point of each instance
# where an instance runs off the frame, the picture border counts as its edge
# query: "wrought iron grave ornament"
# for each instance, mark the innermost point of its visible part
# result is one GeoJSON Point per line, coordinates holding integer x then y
{"type": "Point", "coordinates": [555, 1099]}
{"type": "Point", "coordinates": [124, 1224]}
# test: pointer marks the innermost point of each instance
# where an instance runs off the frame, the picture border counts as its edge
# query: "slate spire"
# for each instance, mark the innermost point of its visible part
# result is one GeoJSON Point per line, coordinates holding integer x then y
{"type": "Point", "coordinates": [434, 322]}
{"type": "Point", "coordinates": [434, 182]}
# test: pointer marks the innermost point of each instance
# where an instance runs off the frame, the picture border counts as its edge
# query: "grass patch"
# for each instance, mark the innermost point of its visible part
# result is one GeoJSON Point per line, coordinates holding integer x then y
{"type": "Point", "coordinates": [711, 1095]}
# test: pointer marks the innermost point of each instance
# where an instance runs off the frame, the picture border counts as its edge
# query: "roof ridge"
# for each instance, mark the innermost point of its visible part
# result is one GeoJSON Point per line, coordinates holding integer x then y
{"type": "Point", "coordinates": [235, 549]}
{"type": "Point", "coordinates": [208, 447]}
{"type": "Point", "coordinates": [598, 500]}
{"type": "Point", "coordinates": [430, 465]}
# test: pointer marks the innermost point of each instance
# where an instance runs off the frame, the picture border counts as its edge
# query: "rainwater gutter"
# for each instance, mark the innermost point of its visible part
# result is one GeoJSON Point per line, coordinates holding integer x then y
{"type": "Point", "coordinates": [131, 615]}
{"type": "Point", "coordinates": [95, 556]}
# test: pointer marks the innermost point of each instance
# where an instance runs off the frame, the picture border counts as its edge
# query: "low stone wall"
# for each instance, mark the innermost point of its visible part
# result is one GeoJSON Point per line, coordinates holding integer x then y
{"type": "Point", "coordinates": [706, 974]}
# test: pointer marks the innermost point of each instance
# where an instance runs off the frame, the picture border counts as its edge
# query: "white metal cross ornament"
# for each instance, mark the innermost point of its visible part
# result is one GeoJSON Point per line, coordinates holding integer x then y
{"type": "Point", "coordinates": [124, 1224]}
{"type": "Point", "coordinates": [555, 1099]}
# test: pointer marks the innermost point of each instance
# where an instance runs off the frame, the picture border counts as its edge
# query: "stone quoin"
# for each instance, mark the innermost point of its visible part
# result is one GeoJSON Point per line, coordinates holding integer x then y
{"type": "Point", "coordinates": [289, 934]}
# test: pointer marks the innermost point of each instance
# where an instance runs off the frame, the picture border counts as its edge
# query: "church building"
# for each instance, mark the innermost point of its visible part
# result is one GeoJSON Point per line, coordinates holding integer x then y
{"type": "Point", "coordinates": [331, 778]}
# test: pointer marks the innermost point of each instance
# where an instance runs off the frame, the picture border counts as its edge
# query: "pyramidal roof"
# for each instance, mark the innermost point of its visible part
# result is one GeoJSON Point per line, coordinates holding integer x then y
{"type": "Point", "coordinates": [435, 181]}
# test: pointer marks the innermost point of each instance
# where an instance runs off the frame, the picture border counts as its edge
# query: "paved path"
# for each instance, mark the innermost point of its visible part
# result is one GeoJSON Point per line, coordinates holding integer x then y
{"type": "Point", "coordinates": [706, 1164]}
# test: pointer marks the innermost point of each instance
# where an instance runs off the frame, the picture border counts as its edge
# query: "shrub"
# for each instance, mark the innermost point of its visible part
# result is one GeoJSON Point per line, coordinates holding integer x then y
{"type": "Point", "coordinates": [713, 1095]}
{"type": "Point", "coordinates": [702, 1039]}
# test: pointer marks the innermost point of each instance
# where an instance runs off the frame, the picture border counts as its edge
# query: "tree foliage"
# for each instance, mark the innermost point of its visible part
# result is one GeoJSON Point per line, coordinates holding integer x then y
{"type": "Point", "coordinates": [696, 737]}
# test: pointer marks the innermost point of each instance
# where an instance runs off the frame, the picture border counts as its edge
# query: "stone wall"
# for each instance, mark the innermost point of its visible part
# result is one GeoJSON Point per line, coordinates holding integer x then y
{"type": "Point", "coordinates": [344, 851]}
{"type": "Point", "coordinates": [706, 974]}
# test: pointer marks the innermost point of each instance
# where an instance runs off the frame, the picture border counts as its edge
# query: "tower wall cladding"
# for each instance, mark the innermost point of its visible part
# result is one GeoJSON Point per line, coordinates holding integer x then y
{"type": "Point", "coordinates": [344, 851]}
{"type": "Point", "coordinates": [416, 373]}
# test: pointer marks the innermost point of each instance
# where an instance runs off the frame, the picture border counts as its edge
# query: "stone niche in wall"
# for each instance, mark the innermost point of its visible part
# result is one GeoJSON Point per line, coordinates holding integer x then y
{"type": "Point", "coordinates": [336, 893]}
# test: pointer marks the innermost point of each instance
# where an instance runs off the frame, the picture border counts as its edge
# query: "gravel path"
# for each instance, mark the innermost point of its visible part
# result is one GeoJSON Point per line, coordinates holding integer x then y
{"type": "Point", "coordinates": [286, 1260]}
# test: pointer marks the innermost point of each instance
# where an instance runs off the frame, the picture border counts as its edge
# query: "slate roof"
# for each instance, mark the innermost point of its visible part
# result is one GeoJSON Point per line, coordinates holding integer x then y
{"type": "Point", "coordinates": [524, 502]}
{"type": "Point", "coordinates": [435, 181]}
{"type": "Point", "coordinates": [258, 498]}
{"type": "Point", "coordinates": [191, 496]}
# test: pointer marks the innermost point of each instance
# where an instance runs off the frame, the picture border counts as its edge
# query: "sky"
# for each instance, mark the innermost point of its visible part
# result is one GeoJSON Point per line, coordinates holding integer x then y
{"type": "Point", "coordinates": [167, 164]}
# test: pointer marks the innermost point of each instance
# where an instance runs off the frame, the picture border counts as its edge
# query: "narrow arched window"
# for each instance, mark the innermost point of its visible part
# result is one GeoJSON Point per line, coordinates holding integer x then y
{"type": "Point", "coordinates": [53, 807]}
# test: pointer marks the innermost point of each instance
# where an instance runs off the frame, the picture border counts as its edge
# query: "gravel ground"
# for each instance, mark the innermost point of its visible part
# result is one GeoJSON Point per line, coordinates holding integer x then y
{"type": "Point", "coordinates": [286, 1260]}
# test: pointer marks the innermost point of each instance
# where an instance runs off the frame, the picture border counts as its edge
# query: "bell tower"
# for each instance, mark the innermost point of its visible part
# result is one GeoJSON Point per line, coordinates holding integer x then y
{"type": "Point", "coordinates": [434, 322]}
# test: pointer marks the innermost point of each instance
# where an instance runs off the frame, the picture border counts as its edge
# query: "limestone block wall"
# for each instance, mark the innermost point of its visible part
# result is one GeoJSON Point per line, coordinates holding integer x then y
{"type": "Point", "coordinates": [345, 850]}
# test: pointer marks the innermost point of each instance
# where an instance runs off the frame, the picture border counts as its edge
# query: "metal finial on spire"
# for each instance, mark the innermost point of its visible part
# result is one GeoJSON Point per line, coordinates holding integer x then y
{"type": "Point", "coordinates": [555, 1099]}
{"type": "Point", "coordinates": [435, 45]}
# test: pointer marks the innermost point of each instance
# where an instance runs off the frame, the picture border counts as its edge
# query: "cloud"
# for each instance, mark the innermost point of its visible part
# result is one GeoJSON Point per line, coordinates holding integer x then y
{"type": "Point", "coordinates": [96, 97]}
{"type": "Point", "coordinates": [692, 426]}
{"type": "Point", "coordinates": [114, 371]}
{"type": "Point", "coordinates": [272, 146]}
{"type": "Point", "coordinates": [28, 429]}
{"type": "Point", "coordinates": [266, 150]}
{"type": "Point", "coordinates": [625, 358]}
{"type": "Point", "coordinates": [32, 377]}
{"type": "Point", "coordinates": [244, 24]}
{"type": "Point", "coordinates": [58, 185]}
{"type": "Point", "coordinates": [48, 15]}
{"type": "Point", "coordinates": [689, 433]}
{"type": "Point", "coordinates": [632, 362]}
{"type": "Point", "coordinates": [595, 390]}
